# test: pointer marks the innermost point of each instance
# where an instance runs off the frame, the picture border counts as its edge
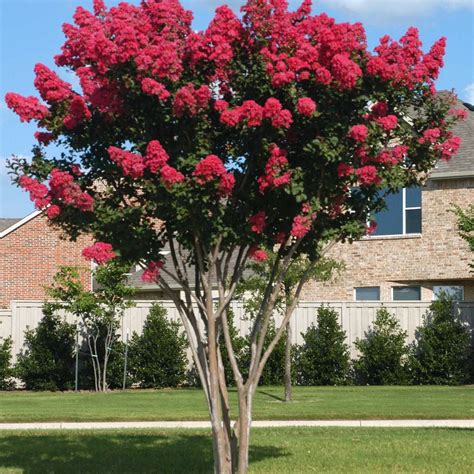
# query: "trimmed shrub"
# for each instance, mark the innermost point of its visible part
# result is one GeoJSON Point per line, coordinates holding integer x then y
{"type": "Point", "coordinates": [157, 358]}
{"type": "Point", "coordinates": [323, 359]}
{"type": "Point", "coordinates": [383, 353]}
{"type": "Point", "coordinates": [441, 354]}
{"type": "Point", "coordinates": [6, 371]}
{"type": "Point", "coordinates": [46, 361]}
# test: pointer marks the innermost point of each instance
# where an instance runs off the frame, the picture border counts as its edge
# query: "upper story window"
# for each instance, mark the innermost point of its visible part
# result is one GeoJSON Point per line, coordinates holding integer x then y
{"type": "Point", "coordinates": [403, 213]}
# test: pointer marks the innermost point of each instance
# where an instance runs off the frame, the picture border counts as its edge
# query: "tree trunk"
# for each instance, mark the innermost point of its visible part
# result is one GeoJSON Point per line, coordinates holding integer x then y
{"type": "Point", "coordinates": [288, 388]}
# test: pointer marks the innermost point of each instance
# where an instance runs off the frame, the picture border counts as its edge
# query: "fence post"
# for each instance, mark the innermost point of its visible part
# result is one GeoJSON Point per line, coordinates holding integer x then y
{"type": "Point", "coordinates": [76, 380]}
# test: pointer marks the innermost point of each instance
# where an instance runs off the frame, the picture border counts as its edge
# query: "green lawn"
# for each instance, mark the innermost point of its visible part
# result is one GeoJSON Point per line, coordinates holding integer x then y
{"type": "Point", "coordinates": [273, 451]}
{"type": "Point", "coordinates": [318, 403]}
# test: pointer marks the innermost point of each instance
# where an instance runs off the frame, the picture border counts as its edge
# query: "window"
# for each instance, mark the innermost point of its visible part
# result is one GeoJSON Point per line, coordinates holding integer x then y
{"type": "Point", "coordinates": [406, 293]}
{"type": "Point", "coordinates": [369, 293]}
{"type": "Point", "coordinates": [454, 292]}
{"type": "Point", "coordinates": [402, 215]}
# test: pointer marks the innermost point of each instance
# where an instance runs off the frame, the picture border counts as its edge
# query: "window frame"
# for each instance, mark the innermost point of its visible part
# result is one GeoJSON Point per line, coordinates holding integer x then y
{"type": "Point", "coordinates": [405, 208]}
{"type": "Point", "coordinates": [406, 286]}
{"type": "Point", "coordinates": [366, 287]}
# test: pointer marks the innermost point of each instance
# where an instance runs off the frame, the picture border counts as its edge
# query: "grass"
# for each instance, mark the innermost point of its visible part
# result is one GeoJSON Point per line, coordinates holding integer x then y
{"type": "Point", "coordinates": [298, 450]}
{"type": "Point", "coordinates": [318, 403]}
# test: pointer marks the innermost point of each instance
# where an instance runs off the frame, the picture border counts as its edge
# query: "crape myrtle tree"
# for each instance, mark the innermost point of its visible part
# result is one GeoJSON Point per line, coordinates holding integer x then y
{"type": "Point", "coordinates": [276, 130]}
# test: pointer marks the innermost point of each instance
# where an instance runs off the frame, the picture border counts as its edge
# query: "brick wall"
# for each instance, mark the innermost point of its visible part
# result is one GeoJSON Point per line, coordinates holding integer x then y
{"type": "Point", "coordinates": [437, 257]}
{"type": "Point", "coordinates": [29, 258]}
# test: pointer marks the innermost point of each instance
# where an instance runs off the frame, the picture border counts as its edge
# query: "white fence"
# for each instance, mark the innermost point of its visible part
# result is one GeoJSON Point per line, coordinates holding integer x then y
{"type": "Point", "coordinates": [355, 318]}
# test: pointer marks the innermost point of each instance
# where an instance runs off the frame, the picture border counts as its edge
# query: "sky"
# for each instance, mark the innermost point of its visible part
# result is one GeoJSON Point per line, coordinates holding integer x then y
{"type": "Point", "coordinates": [30, 32]}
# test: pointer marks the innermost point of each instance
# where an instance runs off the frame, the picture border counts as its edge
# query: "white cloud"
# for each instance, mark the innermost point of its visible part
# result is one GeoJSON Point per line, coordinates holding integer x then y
{"type": "Point", "coordinates": [377, 11]}
{"type": "Point", "coordinates": [469, 93]}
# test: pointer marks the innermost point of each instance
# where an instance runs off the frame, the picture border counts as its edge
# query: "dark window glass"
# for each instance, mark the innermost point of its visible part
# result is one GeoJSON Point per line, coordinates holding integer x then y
{"type": "Point", "coordinates": [390, 220]}
{"type": "Point", "coordinates": [413, 221]}
{"type": "Point", "coordinates": [367, 294]}
{"type": "Point", "coordinates": [406, 293]}
{"type": "Point", "coordinates": [413, 197]}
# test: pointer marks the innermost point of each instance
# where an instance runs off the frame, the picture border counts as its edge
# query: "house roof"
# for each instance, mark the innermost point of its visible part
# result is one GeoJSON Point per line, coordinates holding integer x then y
{"type": "Point", "coordinates": [462, 164]}
{"type": "Point", "coordinates": [6, 223]}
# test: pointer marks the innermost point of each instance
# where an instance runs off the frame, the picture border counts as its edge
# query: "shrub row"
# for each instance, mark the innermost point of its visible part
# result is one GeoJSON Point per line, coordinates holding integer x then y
{"type": "Point", "coordinates": [441, 354]}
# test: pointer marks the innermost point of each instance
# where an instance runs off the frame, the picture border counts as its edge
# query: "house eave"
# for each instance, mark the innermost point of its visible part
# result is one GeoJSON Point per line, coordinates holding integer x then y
{"type": "Point", "coordinates": [452, 175]}
{"type": "Point", "coordinates": [20, 223]}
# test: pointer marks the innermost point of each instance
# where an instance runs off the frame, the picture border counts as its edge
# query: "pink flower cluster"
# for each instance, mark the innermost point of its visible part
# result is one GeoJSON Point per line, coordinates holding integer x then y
{"type": "Point", "coordinates": [303, 222]}
{"type": "Point", "coordinates": [45, 138]}
{"type": "Point", "coordinates": [132, 164]}
{"type": "Point", "coordinates": [189, 100]}
{"type": "Point", "coordinates": [276, 170]}
{"type": "Point", "coordinates": [388, 123]}
{"type": "Point", "coordinates": [254, 113]}
{"type": "Point", "coordinates": [100, 253]}
{"type": "Point", "coordinates": [449, 147]}
{"type": "Point", "coordinates": [367, 175]}
{"type": "Point", "coordinates": [306, 106]}
{"type": "Point", "coordinates": [151, 274]}
{"type": "Point", "coordinates": [171, 176]}
{"type": "Point", "coordinates": [345, 71]}
{"type": "Point", "coordinates": [156, 156]}
{"type": "Point", "coordinates": [77, 112]}
{"type": "Point", "coordinates": [39, 193]}
{"type": "Point", "coordinates": [50, 86]}
{"type": "Point", "coordinates": [150, 86]}
{"type": "Point", "coordinates": [259, 255]}
{"type": "Point", "coordinates": [64, 189]}
{"type": "Point", "coordinates": [359, 133]}
{"type": "Point", "coordinates": [257, 222]}
{"type": "Point", "coordinates": [343, 170]}
{"type": "Point", "coordinates": [212, 168]}
{"type": "Point", "coordinates": [404, 62]}
{"type": "Point", "coordinates": [27, 108]}
{"type": "Point", "coordinates": [432, 135]}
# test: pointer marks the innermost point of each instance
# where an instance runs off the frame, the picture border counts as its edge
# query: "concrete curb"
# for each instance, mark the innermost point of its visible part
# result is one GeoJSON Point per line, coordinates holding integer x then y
{"type": "Point", "coordinates": [255, 424]}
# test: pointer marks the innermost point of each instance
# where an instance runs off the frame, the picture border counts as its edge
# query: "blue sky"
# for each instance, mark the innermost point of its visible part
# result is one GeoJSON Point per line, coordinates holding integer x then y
{"type": "Point", "coordinates": [30, 32]}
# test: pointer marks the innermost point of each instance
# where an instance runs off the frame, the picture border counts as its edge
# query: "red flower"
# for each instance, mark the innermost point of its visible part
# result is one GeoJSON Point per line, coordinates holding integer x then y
{"type": "Point", "coordinates": [170, 176]}
{"type": "Point", "coordinates": [388, 123]}
{"type": "Point", "coordinates": [306, 106]}
{"type": "Point", "coordinates": [100, 253]}
{"type": "Point", "coordinates": [345, 71]}
{"type": "Point", "coordinates": [276, 170]}
{"type": "Point", "coordinates": [280, 117]}
{"type": "Point", "coordinates": [368, 175]}
{"type": "Point", "coordinates": [77, 113]}
{"type": "Point", "coordinates": [301, 226]}
{"type": "Point", "coordinates": [449, 148]}
{"type": "Point", "coordinates": [45, 138]}
{"type": "Point", "coordinates": [152, 272]}
{"type": "Point", "coordinates": [50, 86]}
{"type": "Point", "coordinates": [132, 164]}
{"type": "Point", "coordinates": [150, 86]}
{"type": "Point", "coordinates": [53, 211]}
{"type": "Point", "coordinates": [27, 108]}
{"type": "Point", "coordinates": [257, 254]}
{"type": "Point", "coordinates": [431, 135]}
{"type": "Point", "coordinates": [39, 193]}
{"type": "Point", "coordinates": [156, 156]}
{"type": "Point", "coordinates": [343, 170]}
{"type": "Point", "coordinates": [257, 222]}
{"type": "Point", "coordinates": [359, 133]}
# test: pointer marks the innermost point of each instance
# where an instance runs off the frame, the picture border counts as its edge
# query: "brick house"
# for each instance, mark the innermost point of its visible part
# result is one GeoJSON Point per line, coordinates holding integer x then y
{"type": "Point", "coordinates": [416, 251]}
{"type": "Point", "coordinates": [31, 253]}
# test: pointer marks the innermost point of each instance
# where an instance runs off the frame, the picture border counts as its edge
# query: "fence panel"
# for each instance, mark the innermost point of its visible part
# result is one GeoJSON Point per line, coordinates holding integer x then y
{"type": "Point", "coordinates": [355, 318]}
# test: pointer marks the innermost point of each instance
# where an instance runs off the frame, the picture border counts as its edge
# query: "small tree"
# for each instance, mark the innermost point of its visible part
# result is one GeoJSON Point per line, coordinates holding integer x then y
{"type": "Point", "coordinates": [252, 291]}
{"type": "Point", "coordinates": [441, 353]}
{"type": "Point", "coordinates": [383, 352]}
{"type": "Point", "coordinates": [158, 356]}
{"type": "Point", "coordinates": [6, 371]}
{"type": "Point", "coordinates": [99, 311]}
{"type": "Point", "coordinates": [323, 359]}
{"type": "Point", "coordinates": [466, 226]}
{"type": "Point", "coordinates": [46, 361]}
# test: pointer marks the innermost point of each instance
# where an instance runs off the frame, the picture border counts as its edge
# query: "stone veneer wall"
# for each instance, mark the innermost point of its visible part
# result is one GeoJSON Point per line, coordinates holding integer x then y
{"type": "Point", "coordinates": [436, 257]}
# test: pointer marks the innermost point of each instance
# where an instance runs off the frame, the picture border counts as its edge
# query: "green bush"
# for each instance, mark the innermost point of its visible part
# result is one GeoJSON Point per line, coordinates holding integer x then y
{"type": "Point", "coordinates": [6, 371]}
{"type": "Point", "coordinates": [46, 361]}
{"type": "Point", "coordinates": [383, 353]}
{"type": "Point", "coordinates": [157, 357]}
{"type": "Point", "coordinates": [323, 359]}
{"type": "Point", "coordinates": [441, 354]}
